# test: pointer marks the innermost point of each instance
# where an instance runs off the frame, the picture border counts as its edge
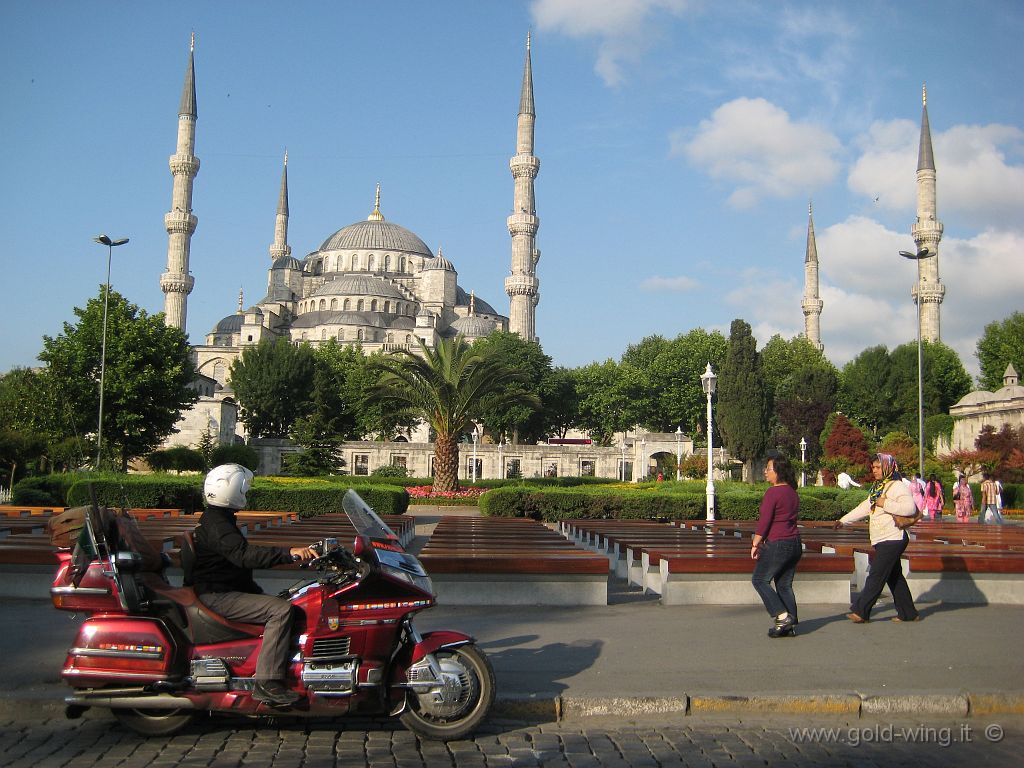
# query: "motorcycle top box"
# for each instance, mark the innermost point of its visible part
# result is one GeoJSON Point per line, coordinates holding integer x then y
{"type": "Point", "coordinates": [156, 656]}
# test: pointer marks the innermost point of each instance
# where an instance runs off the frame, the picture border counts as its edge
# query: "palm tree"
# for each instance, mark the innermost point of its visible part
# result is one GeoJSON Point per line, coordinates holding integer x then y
{"type": "Point", "coordinates": [445, 386]}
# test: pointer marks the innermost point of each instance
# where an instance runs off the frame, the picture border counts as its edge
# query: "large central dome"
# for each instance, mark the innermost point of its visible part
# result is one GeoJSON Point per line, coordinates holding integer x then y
{"type": "Point", "coordinates": [376, 235]}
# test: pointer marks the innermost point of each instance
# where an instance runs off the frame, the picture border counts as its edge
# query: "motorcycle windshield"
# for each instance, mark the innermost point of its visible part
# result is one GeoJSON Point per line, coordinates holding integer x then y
{"type": "Point", "coordinates": [367, 522]}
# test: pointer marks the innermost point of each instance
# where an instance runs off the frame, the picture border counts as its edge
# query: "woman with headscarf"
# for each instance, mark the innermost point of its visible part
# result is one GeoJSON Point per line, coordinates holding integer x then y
{"type": "Point", "coordinates": [963, 500]}
{"type": "Point", "coordinates": [889, 508]}
{"type": "Point", "coordinates": [933, 498]}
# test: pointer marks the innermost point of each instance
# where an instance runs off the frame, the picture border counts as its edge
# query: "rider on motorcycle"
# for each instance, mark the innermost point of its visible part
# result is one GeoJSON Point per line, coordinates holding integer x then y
{"type": "Point", "coordinates": [222, 577]}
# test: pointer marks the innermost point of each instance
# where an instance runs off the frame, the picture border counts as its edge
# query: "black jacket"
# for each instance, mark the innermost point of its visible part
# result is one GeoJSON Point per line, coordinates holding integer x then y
{"type": "Point", "coordinates": [224, 559]}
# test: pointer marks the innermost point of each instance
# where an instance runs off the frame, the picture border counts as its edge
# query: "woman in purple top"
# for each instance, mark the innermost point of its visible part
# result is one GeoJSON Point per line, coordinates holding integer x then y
{"type": "Point", "coordinates": [777, 548]}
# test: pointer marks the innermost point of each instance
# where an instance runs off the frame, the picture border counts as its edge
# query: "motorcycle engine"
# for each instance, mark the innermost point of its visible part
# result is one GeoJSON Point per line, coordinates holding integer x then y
{"type": "Point", "coordinates": [330, 678]}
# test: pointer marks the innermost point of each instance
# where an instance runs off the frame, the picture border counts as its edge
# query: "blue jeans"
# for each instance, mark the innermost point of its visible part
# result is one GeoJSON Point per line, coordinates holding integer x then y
{"type": "Point", "coordinates": [777, 562]}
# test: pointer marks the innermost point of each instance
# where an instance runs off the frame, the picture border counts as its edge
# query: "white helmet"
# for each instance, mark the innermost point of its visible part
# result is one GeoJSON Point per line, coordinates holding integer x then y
{"type": "Point", "coordinates": [227, 485]}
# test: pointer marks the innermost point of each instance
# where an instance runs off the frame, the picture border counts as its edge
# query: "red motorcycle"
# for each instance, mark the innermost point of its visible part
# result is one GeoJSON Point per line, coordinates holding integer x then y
{"type": "Point", "coordinates": [156, 656]}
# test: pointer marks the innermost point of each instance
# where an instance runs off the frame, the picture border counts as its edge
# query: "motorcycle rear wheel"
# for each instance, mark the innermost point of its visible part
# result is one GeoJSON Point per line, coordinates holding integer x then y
{"type": "Point", "coordinates": [459, 719]}
{"type": "Point", "coordinates": [154, 722]}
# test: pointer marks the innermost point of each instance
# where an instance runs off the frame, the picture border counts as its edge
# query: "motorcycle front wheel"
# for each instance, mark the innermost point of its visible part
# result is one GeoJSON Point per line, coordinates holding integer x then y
{"type": "Point", "coordinates": [465, 699]}
{"type": "Point", "coordinates": [154, 722]}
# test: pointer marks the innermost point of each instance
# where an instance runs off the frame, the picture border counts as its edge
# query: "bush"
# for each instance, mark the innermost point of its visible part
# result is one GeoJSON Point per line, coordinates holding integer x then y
{"type": "Point", "coordinates": [171, 492]}
{"type": "Point", "coordinates": [681, 502]}
{"type": "Point", "coordinates": [235, 454]}
{"type": "Point", "coordinates": [390, 470]}
{"type": "Point", "coordinates": [43, 490]}
{"type": "Point", "coordinates": [178, 459]}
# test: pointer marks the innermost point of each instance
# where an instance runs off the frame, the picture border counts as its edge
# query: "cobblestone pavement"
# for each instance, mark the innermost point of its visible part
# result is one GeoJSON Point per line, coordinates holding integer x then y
{"type": "Point", "coordinates": [98, 740]}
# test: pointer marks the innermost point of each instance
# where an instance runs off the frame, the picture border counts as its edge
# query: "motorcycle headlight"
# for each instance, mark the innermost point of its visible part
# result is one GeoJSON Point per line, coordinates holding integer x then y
{"type": "Point", "coordinates": [420, 582]}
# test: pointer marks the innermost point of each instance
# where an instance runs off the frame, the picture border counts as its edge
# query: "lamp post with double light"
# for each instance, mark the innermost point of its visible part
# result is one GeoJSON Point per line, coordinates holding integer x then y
{"type": "Point", "coordinates": [921, 254]}
{"type": "Point", "coordinates": [679, 453]}
{"type": "Point", "coordinates": [709, 382]}
{"type": "Point", "coordinates": [111, 243]}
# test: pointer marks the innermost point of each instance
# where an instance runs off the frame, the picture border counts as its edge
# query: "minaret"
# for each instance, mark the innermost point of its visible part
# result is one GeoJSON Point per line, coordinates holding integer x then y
{"type": "Point", "coordinates": [927, 232]}
{"type": "Point", "coordinates": [812, 302]}
{"type": "Point", "coordinates": [176, 282]}
{"type": "Point", "coordinates": [522, 286]}
{"type": "Point", "coordinates": [280, 245]}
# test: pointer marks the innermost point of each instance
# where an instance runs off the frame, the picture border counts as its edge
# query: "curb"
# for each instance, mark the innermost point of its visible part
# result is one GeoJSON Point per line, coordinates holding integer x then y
{"type": "Point", "coordinates": [555, 708]}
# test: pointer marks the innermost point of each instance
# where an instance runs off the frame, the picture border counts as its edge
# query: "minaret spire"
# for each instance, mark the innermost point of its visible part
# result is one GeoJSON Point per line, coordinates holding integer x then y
{"type": "Point", "coordinates": [176, 282]}
{"type": "Point", "coordinates": [522, 286]}
{"type": "Point", "coordinates": [812, 303]}
{"type": "Point", "coordinates": [927, 232]}
{"type": "Point", "coordinates": [280, 245]}
{"type": "Point", "coordinates": [376, 215]}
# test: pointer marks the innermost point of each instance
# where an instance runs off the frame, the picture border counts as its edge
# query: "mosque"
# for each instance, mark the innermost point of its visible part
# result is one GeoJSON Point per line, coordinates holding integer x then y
{"type": "Point", "coordinates": [372, 282]}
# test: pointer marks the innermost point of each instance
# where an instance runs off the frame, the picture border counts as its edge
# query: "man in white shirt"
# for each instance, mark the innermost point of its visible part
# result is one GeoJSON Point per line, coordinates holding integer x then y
{"type": "Point", "coordinates": [844, 481]}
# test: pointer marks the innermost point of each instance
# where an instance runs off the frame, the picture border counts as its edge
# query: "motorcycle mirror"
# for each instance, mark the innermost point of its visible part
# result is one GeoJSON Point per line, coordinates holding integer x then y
{"type": "Point", "coordinates": [360, 545]}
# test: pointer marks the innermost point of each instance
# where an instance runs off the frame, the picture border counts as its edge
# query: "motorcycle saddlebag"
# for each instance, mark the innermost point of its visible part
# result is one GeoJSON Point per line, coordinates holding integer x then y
{"type": "Point", "coordinates": [122, 650]}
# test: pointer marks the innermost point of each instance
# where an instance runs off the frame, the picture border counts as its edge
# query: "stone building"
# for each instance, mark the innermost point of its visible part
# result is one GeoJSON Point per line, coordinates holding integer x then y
{"type": "Point", "coordinates": [980, 409]}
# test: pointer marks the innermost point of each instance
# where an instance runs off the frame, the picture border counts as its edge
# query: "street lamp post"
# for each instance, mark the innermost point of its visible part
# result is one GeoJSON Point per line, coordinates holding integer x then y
{"type": "Point", "coordinates": [641, 473]}
{"type": "Point", "coordinates": [679, 452]}
{"type": "Point", "coordinates": [709, 381]}
{"type": "Point", "coordinates": [501, 458]}
{"type": "Point", "coordinates": [622, 463]}
{"type": "Point", "coordinates": [803, 462]}
{"type": "Point", "coordinates": [473, 471]}
{"type": "Point", "coordinates": [921, 254]}
{"type": "Point", "coordinates": [110, 243]}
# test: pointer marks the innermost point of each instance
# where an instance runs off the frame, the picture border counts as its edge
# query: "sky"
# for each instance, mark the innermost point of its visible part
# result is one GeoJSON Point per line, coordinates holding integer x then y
{"type": "Point", "coordinates": [680, 142]}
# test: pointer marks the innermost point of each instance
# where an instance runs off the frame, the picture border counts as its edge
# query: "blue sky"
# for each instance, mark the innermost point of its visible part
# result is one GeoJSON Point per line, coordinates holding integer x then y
{"type": "Point", "coordinates": [680, 142]}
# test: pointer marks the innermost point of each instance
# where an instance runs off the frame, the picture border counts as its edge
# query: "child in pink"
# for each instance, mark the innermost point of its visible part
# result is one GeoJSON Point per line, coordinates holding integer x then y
{"type": "Point", "coordinates": [933, 499]}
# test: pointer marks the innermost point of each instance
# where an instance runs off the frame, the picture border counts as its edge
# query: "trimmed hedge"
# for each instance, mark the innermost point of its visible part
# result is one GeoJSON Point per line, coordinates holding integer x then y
{"type": "Point", "coordinates": [172, 492]}
{"type": "Point", "coordinates": [44, 490]}
{"type": "Point", "coordinates": [553, 504]}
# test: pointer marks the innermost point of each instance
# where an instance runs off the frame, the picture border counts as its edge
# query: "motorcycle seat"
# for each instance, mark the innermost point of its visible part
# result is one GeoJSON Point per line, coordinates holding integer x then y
{"type": "Point", "coordinates": [202, 625]}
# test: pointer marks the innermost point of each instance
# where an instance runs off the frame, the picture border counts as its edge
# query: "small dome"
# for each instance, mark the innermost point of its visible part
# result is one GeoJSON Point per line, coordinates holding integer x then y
{"type": "Point", "coordinates": [287, 262]}
{"type": "Point", "coordinates": [473, 326]}
{"type": "Point", "coordinates": [438, 262]}
{"type": "Point", "coordinates": [1009, 392]}
{"type": "Point", "coordinates": [230, 324]}
{"type": "Point", "coordinates": [316, 319]}
{"type": "Point", "coordinates": [376, 235]}
{"type": "Point", "coordinates": [976, 398]}
{"type": "Point", "coordinates": [360, 285]}
{"type": "Point", "coordinates": [481, 306]}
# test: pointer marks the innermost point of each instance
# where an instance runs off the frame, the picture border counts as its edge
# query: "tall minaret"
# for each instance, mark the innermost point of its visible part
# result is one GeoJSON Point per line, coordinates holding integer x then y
{"type": "Point", "coordinates": [812, 302]}
{"type": "Point", "coordinates": [927, 232]}
{"type": "Point", "coordinates": [176, 282]}
{"type": "Point", "coordinates": [280, 245]}
{"type": "Point", "coordinates": [522, 286]}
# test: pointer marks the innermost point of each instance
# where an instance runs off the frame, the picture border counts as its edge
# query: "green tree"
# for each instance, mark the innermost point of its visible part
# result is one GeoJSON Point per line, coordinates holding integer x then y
{"type": "Point", "coordinates": [803, 403]}
{"type": "Point", "coordinates": [514, 412]}
{"type": "Point", "coordinates": [560, 401]}
{"type": "Point", "coordinates": [865, 389]}
{"type": "Point", "coordinates": [780, 358]}
{"type": "Point", "coordinates": [146, 384]}
{"type": "Point", "coordinates": [598, 406]}
{"type": "Point", "coordinates": [1001, 344]}
{"type": "Point", "coordinates": [742, 400]}
{"type": "Point", "coordinates": [272, 381]}
{"type": "Point", "coordinates": [445, 386]}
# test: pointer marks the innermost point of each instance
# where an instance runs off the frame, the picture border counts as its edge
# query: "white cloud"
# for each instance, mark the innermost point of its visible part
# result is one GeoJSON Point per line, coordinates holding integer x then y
{"type": "Point", "coordinates": [866, 287]}
{"type": "Point", "coordinates": [755, 144]}
{"type": "Point", "coordinates": [658, 284]}
{"type": "Point", "coordinates": [624, 28]}
{"type": "Point", "coordinates": [975, 182]}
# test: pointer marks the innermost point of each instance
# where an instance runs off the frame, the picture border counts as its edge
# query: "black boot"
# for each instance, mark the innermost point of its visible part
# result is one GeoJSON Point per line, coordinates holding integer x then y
{"type": "Point", "coordinates": [274, 693]}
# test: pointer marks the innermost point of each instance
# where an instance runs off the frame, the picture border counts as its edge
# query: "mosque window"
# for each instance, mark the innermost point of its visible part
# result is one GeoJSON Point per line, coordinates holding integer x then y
{"type": "Point", "coordinates": [341, 334]}
{"type": "Point", "coordinates": [334, 304]}
{"type": "Point", "coordinates": [359, 334]}
{"type": "Point", "coordinates": [408, 338]}
{"type": "Point", "coordinates": [303, 335]}
{"type": "Point", "coordinates": [347, 305]}
{"type": "Point", "coordinates": [359, 306]}
{"type": "Point", "coordinates": [323, 304]}
{"type": "Point", "coordinates": [401, 264]}
{"type": "Point", "coordinates": [355, 261]}
{"type": "Point", "coordinates": [371, 262]}
{"type": "Point", "coordinates": [387, 262]}
{"type": "Point", "coordinates": [373, 305]}
{"type": "Point", "coordinates": [387, 306]}
{"type": "Point", "coordinates": [391, 338]}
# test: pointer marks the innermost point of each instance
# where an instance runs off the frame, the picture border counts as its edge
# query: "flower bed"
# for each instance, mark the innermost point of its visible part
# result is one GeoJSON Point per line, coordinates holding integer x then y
{"type": "Point", "coordinates": [424, 494]}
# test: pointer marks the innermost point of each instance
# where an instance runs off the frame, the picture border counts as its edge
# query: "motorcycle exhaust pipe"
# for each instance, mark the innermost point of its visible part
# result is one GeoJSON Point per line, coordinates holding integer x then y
{"type": "Point", "coordinates": [131, 702]}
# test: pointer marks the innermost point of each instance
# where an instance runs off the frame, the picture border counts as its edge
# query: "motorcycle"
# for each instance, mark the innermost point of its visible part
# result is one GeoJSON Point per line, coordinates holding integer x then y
{"type": "Point", "coordinates": [157, 657]}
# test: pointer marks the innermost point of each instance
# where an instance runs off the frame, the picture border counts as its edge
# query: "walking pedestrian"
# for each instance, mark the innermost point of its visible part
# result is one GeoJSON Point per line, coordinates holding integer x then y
{"type": "Point", "coordinates": [989, 500]}
{"type": "Point", "coordinates": [963, 500]}
{"type": "Point", "coordinates": [933, 498]}
{"type": "Point", "coordinates": [776, 546]}
{"type": "Point", "coordinates": [889, 508]}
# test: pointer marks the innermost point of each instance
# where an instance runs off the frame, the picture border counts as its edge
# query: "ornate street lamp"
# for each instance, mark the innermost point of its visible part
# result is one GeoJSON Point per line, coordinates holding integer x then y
{"type": "Point", "coordinates": [922, 254]}
{"type": "Point", "coordinates": [679, 453]}
{"type": "Point", "coordinates": [475, 438]}
{"type": "Point", "coordinates": [111, 244]}
{"type": "Point", "coordinates": [709, 382]}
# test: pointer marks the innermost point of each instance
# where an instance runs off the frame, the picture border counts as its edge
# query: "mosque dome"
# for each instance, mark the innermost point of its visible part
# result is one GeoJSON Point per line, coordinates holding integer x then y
{"type": "Point", "coordinates": [360, 285]}
{"type": "Point", "coordinates": [472, 326]}
{"type": "Point", "coordinates": [438, 262]}
{"type": "Point", "coordinates": [229, 324]}
{"type": "Point", "coordinates": [376, 235]}
{"type": "Point", "coordinates": [481, 306]}
{"type": "Point", "coordinates": [287, 262]}
{"type": "Point", "coordinates": [976, 398]}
